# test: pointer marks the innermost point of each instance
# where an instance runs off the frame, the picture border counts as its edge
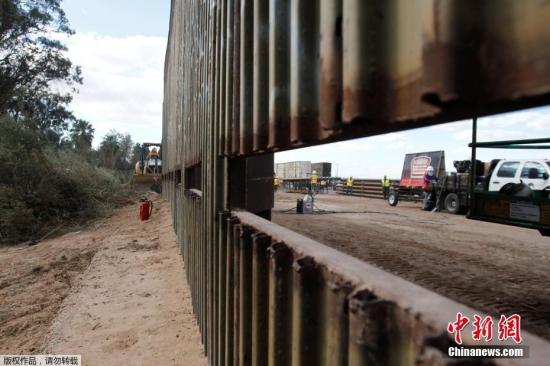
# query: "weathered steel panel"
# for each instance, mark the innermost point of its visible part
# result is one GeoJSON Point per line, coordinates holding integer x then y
{"type": "Point", "coordinates": [279, 73]}
{"type": "Point", "coordinates": [246, 77]}
{"type": "Point", "coordinates": [330, 83]}
{"type": "Point", "coordinates": [261, 75]}
{"type": "Point", "coordinates": [297, 73]}
{"type": "Point", "coordinates": [304, 71]}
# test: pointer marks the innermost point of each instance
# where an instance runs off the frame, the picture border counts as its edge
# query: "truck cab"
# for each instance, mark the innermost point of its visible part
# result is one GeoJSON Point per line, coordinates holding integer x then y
{"type": "Point", "coordinates": [535, 173]}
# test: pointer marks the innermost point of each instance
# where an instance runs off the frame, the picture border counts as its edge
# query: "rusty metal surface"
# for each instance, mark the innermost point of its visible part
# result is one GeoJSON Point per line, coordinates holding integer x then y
{"type": "Point", "coordinates": [390, 319]}
{"type": "Point", "coordinates": [296, 73]}
{"type": "Point", "coordinates": [246, 77]}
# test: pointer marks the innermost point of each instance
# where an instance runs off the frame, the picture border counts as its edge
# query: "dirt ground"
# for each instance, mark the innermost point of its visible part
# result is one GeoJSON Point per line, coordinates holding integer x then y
{"type": "Point", "coordinates": [494, 268]}
{"type": "Point", "coordinates": [114, 293]}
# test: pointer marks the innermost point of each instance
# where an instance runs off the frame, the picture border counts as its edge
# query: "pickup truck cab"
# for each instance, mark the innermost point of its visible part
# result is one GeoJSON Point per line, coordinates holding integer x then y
{"type": "Point", "coordinates": [535, 173]}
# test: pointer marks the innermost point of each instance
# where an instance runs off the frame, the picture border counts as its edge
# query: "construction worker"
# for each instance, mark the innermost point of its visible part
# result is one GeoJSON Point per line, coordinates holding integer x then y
{"type": "Point", "coordinates": [385, 186]}
{"type": "Point", "coordinates": [349, 186]}
{"type": "Point", "coordinates": [429, 179]}
{"type": "Point", "coordinates": [313, 182]}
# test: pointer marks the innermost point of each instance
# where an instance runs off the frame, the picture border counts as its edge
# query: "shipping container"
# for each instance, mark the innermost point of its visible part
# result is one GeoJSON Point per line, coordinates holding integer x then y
{"type": "Point", "coordinates": [293, 170]}
{"type": "Point", "coordinates": [323, 169]}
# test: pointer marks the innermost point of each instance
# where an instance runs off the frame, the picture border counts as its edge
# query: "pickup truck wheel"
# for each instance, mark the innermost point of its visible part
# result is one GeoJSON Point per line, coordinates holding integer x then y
{"type": "Point", "coordinates": [452, 203]}
{"type": "Point", "coordinates": [393, 198]}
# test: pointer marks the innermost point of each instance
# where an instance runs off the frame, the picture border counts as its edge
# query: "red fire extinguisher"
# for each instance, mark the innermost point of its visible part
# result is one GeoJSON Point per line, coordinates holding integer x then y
{"type": "Point", "coordinates": [145, 209]}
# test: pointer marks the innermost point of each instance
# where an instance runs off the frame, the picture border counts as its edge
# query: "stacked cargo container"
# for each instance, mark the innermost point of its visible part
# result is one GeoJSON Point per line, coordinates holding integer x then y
{"type": "Point", "coordinates": [293, 170]}
{"type": "Point", "coordinates": [323, 169]}
{"type": "Point", "coordinates": [302, 169]}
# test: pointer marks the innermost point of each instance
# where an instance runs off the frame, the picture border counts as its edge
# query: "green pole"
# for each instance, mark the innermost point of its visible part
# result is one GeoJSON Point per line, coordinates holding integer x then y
{"type": "Point", "coordinates": [473, 166]}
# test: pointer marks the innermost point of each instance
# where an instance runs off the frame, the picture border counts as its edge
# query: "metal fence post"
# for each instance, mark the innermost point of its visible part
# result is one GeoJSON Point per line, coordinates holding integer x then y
{"type": "Point", "coordinates": [280, 305]}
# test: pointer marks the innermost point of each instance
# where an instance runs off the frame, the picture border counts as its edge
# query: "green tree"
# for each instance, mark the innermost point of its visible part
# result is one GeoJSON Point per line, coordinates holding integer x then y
{"type": "Point", "coordinates": [115, 151]}
{"type": "Point", "coordinates": [108, 149]}
{"type": "Point", "coordinates": [124, 157]}
{"type": "Point", "coordinates": [32, 58]}
{"type": "Point", "coordinates": [82, 135]}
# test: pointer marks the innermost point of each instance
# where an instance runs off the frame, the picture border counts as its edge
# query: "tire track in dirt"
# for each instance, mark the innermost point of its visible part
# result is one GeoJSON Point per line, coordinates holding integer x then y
{"type": "Point", "coordinates": [489, 267]}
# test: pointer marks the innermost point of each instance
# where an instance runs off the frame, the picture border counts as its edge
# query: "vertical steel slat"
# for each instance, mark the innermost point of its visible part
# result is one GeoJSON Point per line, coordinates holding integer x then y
{"type": "Point", "coordinates": [229, 294]}
{"type": "Point", "coordinates": [209, 217]}
{"type": "Point", "coordinates": [307, 310]}
{"type": "Point", "coordinates": [198, 264]}
{"type": "Point", "coordinates": [304, 66]}
{"type": "Point", "coordinates": [260, 128]}
{"type": "Point", "coordinates": [336, 315]}
{"type": "Point", "coordinates": [360, 29]}
{"type": "Point", "coordinates": [381, 332]}
{"type": "Point", "coordinates": [229, 80]}
{"type": "Point", "coordinates": [237, 232]}
{"type": "Point", "coordinates": [245, 296]}
{"type": "Point", "coordinates": [236, 119]}
{"type": "Point", "coordinates": [199, 246]}
{"type": "Point", "coordinates": [201, 282]}
{"type": "Point", "coordinates": [279, 73]}
{"type": "Point", "coordinates": [260, 298]}
{"type": "Point", "coordinates": [280, 305]}
{"type": "Point", "coordinates": [194, 224]}
{"type": "Point", "coordinates": [215, 188]}
{"type": "Point", "coordinates": [179, 209]}
{"type": "Point", "coordinates": [246, 76]}
{"type": "Point", "coordinates": [330, 93]}
{"type": "Point", "coordinates": [222, 255]}
{"type": "Point", "coordinates": [221, 77]}
{"type": "Point", "coordinates": [192, 240]}
{"type": "Point", "coordinates": [202, 156]}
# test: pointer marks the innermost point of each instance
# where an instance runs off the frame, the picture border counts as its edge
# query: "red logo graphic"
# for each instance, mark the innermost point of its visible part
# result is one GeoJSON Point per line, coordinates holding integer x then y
{"type": "Point", "coordinates": [483, 328]}
{"type": "Point", "coordinates": [508, 327]}
{"type": "Point", "coordinates": [419, 165]}
{"type": "Point", "coordinates": [457, 326]}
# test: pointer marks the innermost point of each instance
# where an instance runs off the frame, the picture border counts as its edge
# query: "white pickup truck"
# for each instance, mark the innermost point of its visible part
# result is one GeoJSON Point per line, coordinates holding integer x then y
{"type": "Point", "coordinates": [516, 177]}
{"type": "Point", "coordinates": [535, 173]}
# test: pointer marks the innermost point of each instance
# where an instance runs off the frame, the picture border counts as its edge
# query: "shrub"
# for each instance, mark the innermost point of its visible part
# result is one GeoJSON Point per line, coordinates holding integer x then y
{"type": "Point", "coordinates": [43, 187]}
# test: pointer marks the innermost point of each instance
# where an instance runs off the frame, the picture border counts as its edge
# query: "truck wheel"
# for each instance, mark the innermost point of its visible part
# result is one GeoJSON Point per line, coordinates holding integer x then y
{"type": "Point", "coordinates": [452, 203]}
{"type": "Point", "coordinates": [393, 198]}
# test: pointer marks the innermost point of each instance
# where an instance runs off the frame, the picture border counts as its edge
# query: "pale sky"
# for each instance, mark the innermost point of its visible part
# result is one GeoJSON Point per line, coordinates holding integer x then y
{"type": "Point", "coordinates": [373, 157]}
{"type": "Point", "coordinates": [121, 46]}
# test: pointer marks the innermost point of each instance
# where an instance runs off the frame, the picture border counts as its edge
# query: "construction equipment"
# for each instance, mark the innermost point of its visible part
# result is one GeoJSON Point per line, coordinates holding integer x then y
{"type": "Point", "coordinates": [148, 169]}
{"type": "Point", "coordinates": [412, 178]}
{"type": "Point", "coordinates": [507, 191]}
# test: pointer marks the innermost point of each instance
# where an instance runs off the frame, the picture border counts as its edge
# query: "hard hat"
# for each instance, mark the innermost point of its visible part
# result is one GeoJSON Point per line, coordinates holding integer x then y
{"type": "Point", "coordinates": [430, 170]}
{"type": "Point", "coordinates": [314, 172]}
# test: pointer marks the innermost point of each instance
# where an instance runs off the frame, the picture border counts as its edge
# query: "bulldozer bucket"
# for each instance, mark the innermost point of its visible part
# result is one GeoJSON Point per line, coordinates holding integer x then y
{"type": "Point", "coordinates": [143, 181]}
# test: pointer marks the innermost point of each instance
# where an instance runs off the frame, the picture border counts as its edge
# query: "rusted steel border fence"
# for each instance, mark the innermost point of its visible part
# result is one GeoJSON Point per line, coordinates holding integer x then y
{"type": "Point", "coordinates": [246, 78]}
{"type": "Point", "coordinates": [280, 74]}
{"type": "Point", "coordinates": [265, 295]}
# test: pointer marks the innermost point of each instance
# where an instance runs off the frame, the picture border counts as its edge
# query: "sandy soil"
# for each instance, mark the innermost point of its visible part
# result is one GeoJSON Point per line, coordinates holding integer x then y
{"type": "Point", "coordinates": [490, 267]}
{"type": "Point", "coordinates": [114, 293]}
